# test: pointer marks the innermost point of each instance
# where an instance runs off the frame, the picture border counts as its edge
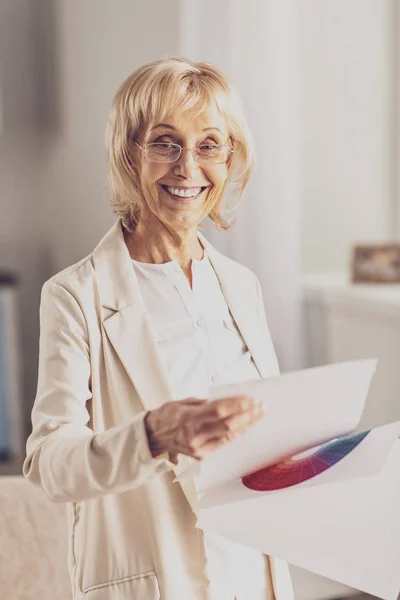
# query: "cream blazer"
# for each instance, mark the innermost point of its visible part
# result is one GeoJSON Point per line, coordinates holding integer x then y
{"type": "Point", "coordinates": [132, 531]}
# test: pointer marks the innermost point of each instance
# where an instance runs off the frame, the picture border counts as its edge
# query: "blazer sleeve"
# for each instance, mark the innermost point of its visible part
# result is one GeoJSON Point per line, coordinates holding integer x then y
{"type": "Point", "coordinates": [63, 455]}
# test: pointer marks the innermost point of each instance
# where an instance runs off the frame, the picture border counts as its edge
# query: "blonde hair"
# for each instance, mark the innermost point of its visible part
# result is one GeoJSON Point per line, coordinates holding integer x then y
{"type": "Point", "coordinates": [146, 97]}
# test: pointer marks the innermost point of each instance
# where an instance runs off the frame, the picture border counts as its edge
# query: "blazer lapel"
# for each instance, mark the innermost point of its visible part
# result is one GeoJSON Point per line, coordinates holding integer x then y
{"type": "Point", "coordinates": [241, 301]}
{"type": "Point", "coordinates": [127, 323]}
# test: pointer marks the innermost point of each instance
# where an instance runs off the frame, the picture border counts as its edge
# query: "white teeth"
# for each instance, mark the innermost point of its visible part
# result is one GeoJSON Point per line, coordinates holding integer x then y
{"type": "Point", "coordinates": [184, 193]}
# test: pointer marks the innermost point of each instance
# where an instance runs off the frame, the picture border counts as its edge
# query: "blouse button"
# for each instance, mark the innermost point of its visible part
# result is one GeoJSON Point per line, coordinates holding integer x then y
{"type": "Point", "coordinates": [214, 378]}
{"type": "Point", "coordinates": [200, 323]}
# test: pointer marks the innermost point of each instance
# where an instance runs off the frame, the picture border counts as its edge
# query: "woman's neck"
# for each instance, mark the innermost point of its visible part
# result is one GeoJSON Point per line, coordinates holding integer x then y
{"type": "Point", "coordinates": [156, 243]}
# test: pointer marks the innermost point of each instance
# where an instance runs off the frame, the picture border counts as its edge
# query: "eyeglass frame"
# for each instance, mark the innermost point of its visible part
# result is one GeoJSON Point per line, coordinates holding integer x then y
{"type": "Point", "coordinates": [181, 148]}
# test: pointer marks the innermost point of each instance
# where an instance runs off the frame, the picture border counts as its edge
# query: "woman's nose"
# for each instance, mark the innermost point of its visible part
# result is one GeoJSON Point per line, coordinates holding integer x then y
{"type": "Point", "coordinates": [186, 165]}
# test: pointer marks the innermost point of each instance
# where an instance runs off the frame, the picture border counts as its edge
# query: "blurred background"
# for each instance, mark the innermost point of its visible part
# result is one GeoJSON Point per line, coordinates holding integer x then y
{"type": "Point", "coordinates": [320, 86]}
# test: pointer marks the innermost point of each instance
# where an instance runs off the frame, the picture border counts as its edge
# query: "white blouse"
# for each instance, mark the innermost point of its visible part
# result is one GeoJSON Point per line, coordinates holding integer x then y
{"type": "Point", "coordinates": [201, 346]}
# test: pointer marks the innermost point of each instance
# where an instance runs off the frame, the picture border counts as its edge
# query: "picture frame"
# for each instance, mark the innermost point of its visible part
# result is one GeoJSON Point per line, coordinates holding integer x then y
{"type": "Point", "coordinates": [375, 263]}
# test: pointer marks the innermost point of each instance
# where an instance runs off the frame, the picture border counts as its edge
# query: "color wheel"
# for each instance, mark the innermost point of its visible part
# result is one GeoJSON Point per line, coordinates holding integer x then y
{"type": "Point", "coordinates": [302, 467]}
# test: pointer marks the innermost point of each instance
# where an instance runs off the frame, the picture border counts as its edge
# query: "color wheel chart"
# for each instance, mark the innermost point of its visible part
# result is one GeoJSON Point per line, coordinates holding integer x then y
{"type": "Point", "coordinates": [302, 467]}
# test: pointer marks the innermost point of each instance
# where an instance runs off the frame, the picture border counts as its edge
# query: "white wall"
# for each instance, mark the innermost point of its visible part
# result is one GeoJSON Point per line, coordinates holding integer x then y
{"type": "Point", "coordinates": [348, 73]}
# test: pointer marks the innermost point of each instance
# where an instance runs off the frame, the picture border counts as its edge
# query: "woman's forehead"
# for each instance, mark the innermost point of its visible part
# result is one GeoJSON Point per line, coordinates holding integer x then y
{"type": "Point", "coordinates": [209, 120]}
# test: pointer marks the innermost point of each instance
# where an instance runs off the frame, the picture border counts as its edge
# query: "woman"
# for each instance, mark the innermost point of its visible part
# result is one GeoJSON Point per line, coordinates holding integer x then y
{"type": "Point", "coordinates": [133, 335]}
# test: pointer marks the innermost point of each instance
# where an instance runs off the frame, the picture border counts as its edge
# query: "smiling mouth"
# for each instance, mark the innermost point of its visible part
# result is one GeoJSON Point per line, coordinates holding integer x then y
{"type": "Point", "coordinates": [183, 195]}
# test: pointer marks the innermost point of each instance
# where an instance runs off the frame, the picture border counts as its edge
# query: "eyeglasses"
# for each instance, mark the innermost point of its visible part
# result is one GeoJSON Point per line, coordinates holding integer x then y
{"type": "Point", "coordinates": [164, 152]}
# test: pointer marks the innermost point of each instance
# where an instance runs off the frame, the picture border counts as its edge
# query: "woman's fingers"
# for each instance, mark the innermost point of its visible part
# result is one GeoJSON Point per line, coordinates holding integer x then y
{"type": "Point", "coordinates": [212, 435]}
{"type": "Point", "coordinates": [235, 424]}
{"type": "Point", "coordinates": [211, 444]}
{"type": "Point", "coordinates": [238, 422]}
{"type": "Point", "coordinates": [225, 408]}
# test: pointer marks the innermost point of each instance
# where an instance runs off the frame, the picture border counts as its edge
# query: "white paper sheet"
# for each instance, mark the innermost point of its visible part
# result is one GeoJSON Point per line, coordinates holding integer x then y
{"type": "Point", "coordinates": [345, 530]}
{"type": "Point", "coordinates": [302, 409]}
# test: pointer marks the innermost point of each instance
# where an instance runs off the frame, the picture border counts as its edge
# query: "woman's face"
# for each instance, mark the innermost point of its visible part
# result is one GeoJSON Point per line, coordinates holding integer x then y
{"type": "Point", "coordinates": [160, 180]}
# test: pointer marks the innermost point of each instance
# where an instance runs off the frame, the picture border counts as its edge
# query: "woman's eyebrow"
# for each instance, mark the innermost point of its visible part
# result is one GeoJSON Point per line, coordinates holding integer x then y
{"type": "Point", "coordinates": [174, 128]}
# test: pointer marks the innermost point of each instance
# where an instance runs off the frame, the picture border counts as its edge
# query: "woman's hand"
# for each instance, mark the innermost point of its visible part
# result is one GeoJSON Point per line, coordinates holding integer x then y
{"type": "Point", "coordinates": [196, 427]}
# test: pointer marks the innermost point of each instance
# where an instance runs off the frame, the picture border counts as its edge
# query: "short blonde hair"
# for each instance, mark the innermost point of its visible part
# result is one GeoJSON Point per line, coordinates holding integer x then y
{"type": "Point", "coordinates": [146, 97]}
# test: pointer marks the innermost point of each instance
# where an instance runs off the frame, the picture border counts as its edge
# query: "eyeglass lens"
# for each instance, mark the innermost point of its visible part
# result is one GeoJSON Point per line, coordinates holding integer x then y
{"type": "Point", "coordinates": [171, 152]}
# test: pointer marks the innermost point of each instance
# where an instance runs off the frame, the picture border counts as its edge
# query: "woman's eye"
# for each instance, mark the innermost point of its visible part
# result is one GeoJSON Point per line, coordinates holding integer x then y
{"type": "Point", "coordinates": [162, 145]}
{"type": "Point", "coordinates": [211, 141]}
